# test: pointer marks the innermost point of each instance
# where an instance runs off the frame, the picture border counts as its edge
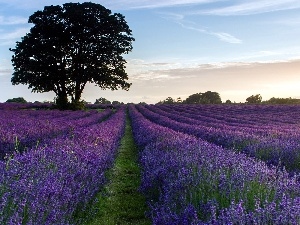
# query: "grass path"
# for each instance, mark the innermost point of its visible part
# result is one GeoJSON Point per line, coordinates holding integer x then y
{"type": "Point", "coordinates": [122, 203]}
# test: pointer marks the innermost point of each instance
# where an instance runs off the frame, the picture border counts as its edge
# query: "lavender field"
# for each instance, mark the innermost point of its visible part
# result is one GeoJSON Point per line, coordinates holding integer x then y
{"type": "Point", "coordinates": [200, 164]}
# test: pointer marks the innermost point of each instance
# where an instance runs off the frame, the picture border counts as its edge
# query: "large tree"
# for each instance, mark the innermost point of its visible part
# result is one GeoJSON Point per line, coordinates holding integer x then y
{"type": "Point", "coordinates": [70, 46]}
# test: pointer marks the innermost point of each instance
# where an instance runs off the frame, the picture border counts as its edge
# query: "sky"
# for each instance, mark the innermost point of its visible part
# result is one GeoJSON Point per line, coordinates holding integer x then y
{"type": "Point", "coordinates": [237, 48]}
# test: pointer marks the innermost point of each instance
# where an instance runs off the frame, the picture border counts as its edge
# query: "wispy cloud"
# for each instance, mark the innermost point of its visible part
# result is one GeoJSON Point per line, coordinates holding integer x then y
{"type": "Point", "coordinates": [274, 55]}
{"type": "Point", "coordinates": [5, 72]}
{"type": "Point", "coordinates": [167, 3]}
{"type": "Point", "coordinates": [238, 7]}
{"type": "Point", "coordinates": [233, 80]}
{"type": "Point", "coordinates": [293, 21]}
{"type": "Point", "coordinates": [153, 75]}
{"type": "Point", "coordinates": [13, 20]}
{"type": "Point", "coordinates": [226, 37]}
{"type": "Point", "coordinates": [11, 37]}
{"type": "Point", "coordinates": [180, 19]}
{"type": "Point", "coordinates": [252, 7]}
{"type": "Point", "coordinates": [115, 4]}
{"type": "Point", "coordinates": [5, 67]}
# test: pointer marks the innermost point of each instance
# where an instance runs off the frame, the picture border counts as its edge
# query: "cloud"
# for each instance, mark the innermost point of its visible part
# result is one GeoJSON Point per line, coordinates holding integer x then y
{"type": "Point", "coordinates": [5, 67]}
{"type": "Point", "coordinates": [234, 80]}
{"type": "Point", "coordinates": [190, 25]}
{"type": "Point", "coordinates": [115, 4]}
{"type": "Point", "coordinates": [257, 70]}
{"type": "Point", "coordinates": [13, 20]}
{"type": "Point", "coordinates": [10, 38]}
{"type": "Point", "coordinates": [292, 21]}
{"type": "Point", "coordinates": [143, 4]}
{"type": "Point", "coordinates": [288, 53]}
{"type": "Point", "coordinates": [152, 75]}
{"type": "Point", "coordinates": [253, 7]}
{"type": "Point", "coordinates": [138, 66]}
{"type": "Point", "coordinates": [5, 72]}
{"type": "Point", "coordinates": [226, 37]}
{"type": "Point", "coordinates": [240, 8]}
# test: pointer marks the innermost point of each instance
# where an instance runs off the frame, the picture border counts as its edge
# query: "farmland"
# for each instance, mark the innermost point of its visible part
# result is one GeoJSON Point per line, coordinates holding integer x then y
{"type": "Point", "coordinates": [200, 164]}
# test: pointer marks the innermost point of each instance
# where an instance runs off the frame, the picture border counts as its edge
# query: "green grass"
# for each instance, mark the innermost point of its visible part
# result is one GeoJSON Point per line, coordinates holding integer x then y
{"type": "Point", "coordinates": [121, 203]}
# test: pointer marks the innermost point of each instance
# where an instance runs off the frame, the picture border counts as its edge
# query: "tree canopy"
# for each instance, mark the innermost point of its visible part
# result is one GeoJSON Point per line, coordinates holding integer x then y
{"type": "Point", "coordinates": [102, 101]}
{"type": "Point", "coordinates": [254, 99]}
{"type": "Point", "coordinates": [208, 97]}
{"type": "Point", "coordinates": [169, 100]}
{"type": "Point", "coordinates": [70, 46]}
{"type": "Point", "coordinates": [289, 100]}
{"type": "Point", "coordinates": [17, 100]}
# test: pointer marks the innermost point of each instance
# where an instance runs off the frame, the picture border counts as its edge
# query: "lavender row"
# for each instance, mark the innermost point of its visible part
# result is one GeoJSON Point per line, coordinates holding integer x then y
{"type": "Point", "coordinates": [233, 119]}
{"type": "Point", "coordinates": [246, 114]}
{"type": "Point", "coordinates": [16, 106]}
{"type": "Point", "coordinates": [225, 138]}
{"type": "Point", "coordinates": [20, 130]}
{"type": "Point", "coordinates": [191, 181]}
{"type": "Point", "coordinates": [282, 150]}
{"type": "Point", "coordinates": [49, 185]}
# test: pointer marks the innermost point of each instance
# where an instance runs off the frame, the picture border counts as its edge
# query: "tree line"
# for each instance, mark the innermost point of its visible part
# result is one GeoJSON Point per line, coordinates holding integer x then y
{"type": "Point", "coordinates": [211, 97]}
{"type": "Point", "coordinates": [208, 97]}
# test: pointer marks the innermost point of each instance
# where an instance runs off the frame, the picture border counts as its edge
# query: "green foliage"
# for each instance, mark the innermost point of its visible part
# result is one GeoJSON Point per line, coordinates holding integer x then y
{"type": "Point", "coordinates": [77, 105]}
{"type": "Point", "coordinates": [225, 193]}
{"type": "Point", "coordinates": [289, 100]}
{"type": "Point", "coordinates": [179, 100]}
{"type": "Point", "coordinates": [254, 99]}
{"type": "Point", "coordinates": [64, 104]}
{"type": "Point", "coordinates": [208, 97]}
{"type": "Point", "coordinates": [102, 101]}
{"type": "Point", "coordinates": [17, 100]}
{"type": "Point", "coordinates": [70, 46]}
{"type": "Point", "coordinates": [117, 103]}
{"type": "Point", "coordinates": [168, 100]}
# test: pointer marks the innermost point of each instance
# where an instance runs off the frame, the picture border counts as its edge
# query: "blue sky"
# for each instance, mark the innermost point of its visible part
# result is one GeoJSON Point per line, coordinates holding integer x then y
{"type": "Point", "coordinates": [236, 48]}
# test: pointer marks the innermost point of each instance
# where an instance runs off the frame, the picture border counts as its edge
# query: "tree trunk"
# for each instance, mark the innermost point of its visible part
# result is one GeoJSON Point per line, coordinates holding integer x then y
{"type": "Point", "coordinates": [78, 91]}
{"type": "Point", "coordinates": [62, 101]}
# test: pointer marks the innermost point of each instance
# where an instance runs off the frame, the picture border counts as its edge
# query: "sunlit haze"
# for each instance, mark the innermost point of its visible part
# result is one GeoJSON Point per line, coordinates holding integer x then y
{"type": "Point", "coordinates": [237, 48]}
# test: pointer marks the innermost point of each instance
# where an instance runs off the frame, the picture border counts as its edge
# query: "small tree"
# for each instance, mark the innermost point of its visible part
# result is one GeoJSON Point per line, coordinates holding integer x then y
{"type": "Point", "coordinates": [102, 101]}
{"type": "Point", "coordinates": [254, 99]}
{"type": "Point", "coordinates": [179, 100]}
{"type": "Point", "coordinates": [169, 100]}
{"type": "Point", "coordinates": [17, 100]}
{"type": "Point", "coordinates": [208, 97]}
{"type": "Point", "coordinates": [117, 103]}
{"type": "Point", "coordinates": [70, 46]}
